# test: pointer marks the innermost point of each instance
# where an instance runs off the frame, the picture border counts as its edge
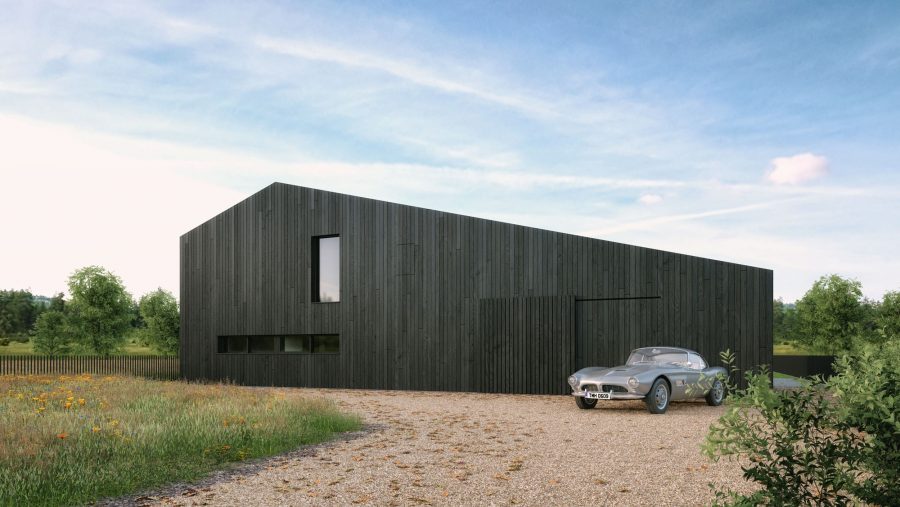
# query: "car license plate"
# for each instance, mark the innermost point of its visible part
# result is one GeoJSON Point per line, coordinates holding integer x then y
{"type": "Point", "coordinates": [597, 396]}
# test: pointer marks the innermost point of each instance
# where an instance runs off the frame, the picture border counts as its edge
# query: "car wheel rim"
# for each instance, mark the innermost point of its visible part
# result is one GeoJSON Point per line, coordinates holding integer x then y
{"type": "Point", "coordinates": [717, 392]}
{"type": "Point", "coordinates": [662, 396]}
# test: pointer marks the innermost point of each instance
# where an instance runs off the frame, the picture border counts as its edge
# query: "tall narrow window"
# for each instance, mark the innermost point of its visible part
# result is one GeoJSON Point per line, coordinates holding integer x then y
{"type": "Point", "coordinates": [326, 277]}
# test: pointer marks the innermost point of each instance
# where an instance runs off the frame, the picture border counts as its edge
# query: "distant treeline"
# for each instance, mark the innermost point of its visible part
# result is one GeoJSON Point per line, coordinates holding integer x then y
{"type": "Point", "coordinates": [833, 317]}
{"type": "Point", "coordinates": [96, 319]}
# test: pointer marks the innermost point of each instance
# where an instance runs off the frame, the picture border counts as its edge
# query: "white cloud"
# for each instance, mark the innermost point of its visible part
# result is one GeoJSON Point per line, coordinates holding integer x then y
{"type": "Point", "coordinates": [651, 223]}
{"type": "Point", "coordinates": [650, 199]}
{"type": "Point", "coordinates": [413, 73]}
{"type": "Point", "coordinates": [797, 169]}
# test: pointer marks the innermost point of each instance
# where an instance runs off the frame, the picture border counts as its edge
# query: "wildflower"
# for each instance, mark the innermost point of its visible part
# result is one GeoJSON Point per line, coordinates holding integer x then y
{"type": "Point", "coordinates": [96, 429]}
{"type": "Point", "coordinates": [68, 404]}
{"type": "Point", "coordinates": [62, 436]}
{"type": "Point", "coordinates": [114, 422]}
{"type": "Point", "coordinates": [70, 398]}
{"type": "Point", "coordinates": [81, 401]}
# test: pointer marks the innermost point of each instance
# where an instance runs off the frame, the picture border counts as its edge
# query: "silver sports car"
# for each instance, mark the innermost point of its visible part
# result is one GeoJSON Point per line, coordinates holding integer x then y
{"type": "Point", "coordinates": [656, 375]}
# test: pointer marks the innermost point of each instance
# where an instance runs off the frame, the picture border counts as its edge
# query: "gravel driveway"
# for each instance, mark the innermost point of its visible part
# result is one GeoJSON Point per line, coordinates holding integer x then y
{"type": "Point", "coordinates": [487, 449]}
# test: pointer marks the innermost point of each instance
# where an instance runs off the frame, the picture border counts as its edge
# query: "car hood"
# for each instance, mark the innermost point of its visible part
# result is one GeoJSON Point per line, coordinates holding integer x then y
{"type": "Point", "coordinates": [614, 373]}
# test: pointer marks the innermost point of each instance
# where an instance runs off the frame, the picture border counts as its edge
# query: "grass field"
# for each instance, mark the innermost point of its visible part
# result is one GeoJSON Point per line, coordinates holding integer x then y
{"type": "Point", "coordinates": [793, 349]}
{"type": "Point", "coordinates": [72, 440]}
{"type": "Point", "coordinates": [25, 349]}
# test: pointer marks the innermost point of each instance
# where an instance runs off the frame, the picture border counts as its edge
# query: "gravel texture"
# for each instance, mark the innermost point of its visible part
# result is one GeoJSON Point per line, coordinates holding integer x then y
{"type": "Point", "coordinates": [483, 449]}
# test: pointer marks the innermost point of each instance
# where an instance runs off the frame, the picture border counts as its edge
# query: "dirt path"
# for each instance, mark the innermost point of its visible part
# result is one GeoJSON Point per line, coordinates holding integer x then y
{"type": "Point", "coordinates": [489, 449]}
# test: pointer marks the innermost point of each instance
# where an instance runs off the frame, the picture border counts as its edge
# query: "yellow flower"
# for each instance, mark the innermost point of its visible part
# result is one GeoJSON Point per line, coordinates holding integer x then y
{"type": "Point", "coordinates": [114, 422]}
{"type": "Point", "coordinates": [81, 401]}
{"type": "Point", "coordinates": [95, 429]}
{"type": "Point", "coordinates": [70, 398]}
{"type": "Point", "coordinates": [68, 404]}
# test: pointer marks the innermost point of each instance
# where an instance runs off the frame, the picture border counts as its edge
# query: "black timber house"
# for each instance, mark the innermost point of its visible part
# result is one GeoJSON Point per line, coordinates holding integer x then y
{"type": "Point", "coordinates": [301, 287]}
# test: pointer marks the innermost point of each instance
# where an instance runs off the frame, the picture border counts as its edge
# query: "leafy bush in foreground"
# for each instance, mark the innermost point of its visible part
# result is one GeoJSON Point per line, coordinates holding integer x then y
{"type": "Point", "coordinates": [867, 398]}
{"type": "Point", "coordinates": [825, 443]}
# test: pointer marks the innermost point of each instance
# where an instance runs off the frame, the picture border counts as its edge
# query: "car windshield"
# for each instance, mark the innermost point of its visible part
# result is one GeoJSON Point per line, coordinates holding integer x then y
{"type": "Point", "coordinates": [659, 357]}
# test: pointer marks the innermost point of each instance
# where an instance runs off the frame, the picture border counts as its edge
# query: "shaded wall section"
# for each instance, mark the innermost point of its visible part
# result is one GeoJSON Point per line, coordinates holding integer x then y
{"type": "Point", "coordinates": [438, 301]}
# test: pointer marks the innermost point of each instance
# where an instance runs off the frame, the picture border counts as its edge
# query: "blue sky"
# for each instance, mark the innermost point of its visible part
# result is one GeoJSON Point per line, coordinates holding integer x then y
{"type": "Point", "coordinates": [764, 133]}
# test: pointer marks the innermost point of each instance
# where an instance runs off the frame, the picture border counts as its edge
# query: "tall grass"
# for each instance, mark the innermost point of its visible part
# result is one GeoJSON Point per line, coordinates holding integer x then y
{"type": "Point", "coordinates": [70, 440]}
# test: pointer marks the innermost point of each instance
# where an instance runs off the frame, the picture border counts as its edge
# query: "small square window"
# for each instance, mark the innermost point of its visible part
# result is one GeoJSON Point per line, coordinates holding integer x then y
{"type": "Point", "coordinates": [298, 343]}
{"type": "Point", "coordinates": [263, 344]}
{"type": "Point", "coordinates": [325, 343]}
{"type": "Point", "coordinates": [232, 344]}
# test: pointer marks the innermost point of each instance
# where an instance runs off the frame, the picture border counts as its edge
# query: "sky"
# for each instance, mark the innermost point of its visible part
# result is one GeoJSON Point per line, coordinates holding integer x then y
{"type": "Point", "coordinates": [763, 133]}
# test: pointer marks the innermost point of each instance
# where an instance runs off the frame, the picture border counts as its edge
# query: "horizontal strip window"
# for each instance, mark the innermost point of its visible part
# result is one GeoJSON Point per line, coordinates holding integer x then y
{"type": "Point", "coordinates": [280, 344]}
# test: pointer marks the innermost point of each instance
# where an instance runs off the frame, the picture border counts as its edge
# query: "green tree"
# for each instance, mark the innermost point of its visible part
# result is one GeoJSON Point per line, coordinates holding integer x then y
{"type": "Point", "coordinates": [784, 321]}
{"type": "Point", "coordinates": [159, 311]}
{"type": "Point", "coordinates": [18, 312]}
{"type": "Point", "coordinates": [830, 315]}
{"type": "Point", "coordinates": [51, 334]}
{"type": "Point", "coordinates": [100, 309]}
{"type": "Point", "coordinates": [887, 318]}
{"type": "Point", "coordinates": [57, 303]}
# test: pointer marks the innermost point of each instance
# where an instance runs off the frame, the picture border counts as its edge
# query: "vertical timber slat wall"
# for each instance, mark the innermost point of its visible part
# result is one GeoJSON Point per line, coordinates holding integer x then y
{"type": "Point", "coordinates": [437, 301]}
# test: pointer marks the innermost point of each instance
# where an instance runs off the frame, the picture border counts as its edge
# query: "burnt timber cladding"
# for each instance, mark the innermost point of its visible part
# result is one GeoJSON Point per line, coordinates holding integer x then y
{"type": "Point", "coordinates": [437, 301]}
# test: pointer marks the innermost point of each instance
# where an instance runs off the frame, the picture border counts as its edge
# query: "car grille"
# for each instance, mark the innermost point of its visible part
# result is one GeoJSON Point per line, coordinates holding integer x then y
{"type": "Point", "coordinates": [604, 388]}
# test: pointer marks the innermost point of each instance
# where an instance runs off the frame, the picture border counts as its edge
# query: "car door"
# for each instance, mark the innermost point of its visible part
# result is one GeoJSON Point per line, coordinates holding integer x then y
{"type": "Point", "coordinates": [681, 377]}
{"type": "Point", "coordinates": [695, 366]}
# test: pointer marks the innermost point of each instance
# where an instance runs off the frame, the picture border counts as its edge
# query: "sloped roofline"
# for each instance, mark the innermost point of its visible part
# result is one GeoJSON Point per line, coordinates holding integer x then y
{"type": "Point", "coordinates": [275, 183]}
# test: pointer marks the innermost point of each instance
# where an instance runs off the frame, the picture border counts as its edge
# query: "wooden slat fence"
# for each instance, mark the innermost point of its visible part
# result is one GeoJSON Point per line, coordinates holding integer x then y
{"type": "Point", "coordinates": [157, 367]}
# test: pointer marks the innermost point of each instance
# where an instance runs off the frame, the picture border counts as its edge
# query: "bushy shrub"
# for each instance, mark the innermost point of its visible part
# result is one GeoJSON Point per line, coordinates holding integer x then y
{"type": "Point", "coordinates": [867, 399]}
{"type": "Point", "coordinates": [792, 443]}
{"type": "Point", "coordinates": [824, 443]}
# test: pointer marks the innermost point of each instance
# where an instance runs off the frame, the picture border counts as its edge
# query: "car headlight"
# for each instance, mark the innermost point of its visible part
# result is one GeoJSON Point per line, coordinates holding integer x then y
{"type": "Point", "coordinates": [633, 382]}
{"type": "Point", "coordinates": [573, 381]}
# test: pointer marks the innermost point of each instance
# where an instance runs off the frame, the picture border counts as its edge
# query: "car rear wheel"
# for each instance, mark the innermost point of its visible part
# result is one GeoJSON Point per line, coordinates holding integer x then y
{"type": "Point", "coordinates": [716, 394]}
{"type": "Point", "coordinates": [584, 403]}
{"type": "Point", "coordinates": [657, 399]}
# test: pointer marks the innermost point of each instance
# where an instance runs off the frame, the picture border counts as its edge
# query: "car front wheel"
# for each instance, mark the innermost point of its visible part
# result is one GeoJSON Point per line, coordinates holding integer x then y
{"type": "Point", "coordinates": [716, 394]}
{"type": "Point", "coordinates": [657, 399]}
{"type": "Point", "coordinates": [584, 403]}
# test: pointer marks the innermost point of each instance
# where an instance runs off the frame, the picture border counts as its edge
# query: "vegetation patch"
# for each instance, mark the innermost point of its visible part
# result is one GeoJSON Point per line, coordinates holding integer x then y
{"type": "Point", "coordinates": [74, 439]}
{"type": "Point", "coordinates": [826, 443]}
